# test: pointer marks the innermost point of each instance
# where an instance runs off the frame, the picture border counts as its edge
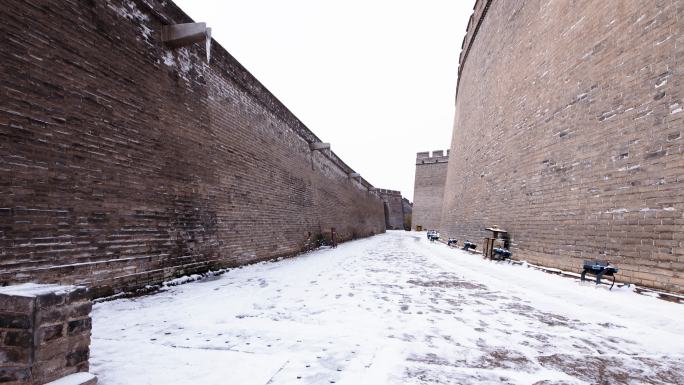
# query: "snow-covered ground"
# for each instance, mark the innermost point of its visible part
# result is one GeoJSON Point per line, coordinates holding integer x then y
{"type": "Point", "coordinates": [391, 309]}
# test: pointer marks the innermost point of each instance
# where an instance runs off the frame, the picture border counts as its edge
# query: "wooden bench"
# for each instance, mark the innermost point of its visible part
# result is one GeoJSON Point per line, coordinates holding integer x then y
{"type": "Point", "coordinates": [599, 269]}
{"type": "Point", "coordinates": [501, 254]}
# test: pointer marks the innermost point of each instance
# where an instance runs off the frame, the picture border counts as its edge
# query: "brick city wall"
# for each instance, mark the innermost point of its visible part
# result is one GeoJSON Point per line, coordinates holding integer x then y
{"type": "Point", "coordinates": [394, 209]}
{"type": "Point", "coordinates": [569, 133]}
{"type": "Point", "coordinates": [408, 212]}
{"type": "Point", "coordinates": [123, 163]}
{"type": "Point", "coordinates": [428, 189]}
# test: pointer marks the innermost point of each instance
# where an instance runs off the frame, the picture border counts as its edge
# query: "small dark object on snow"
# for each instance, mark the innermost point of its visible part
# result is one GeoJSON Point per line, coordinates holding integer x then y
{"type": "Point", "coordinates": [433, 235]}
{"type": "Point", "coordinates": [452, 241]}
{"type": "Point", "coordinates": [599, 269]}
{"type": "Point", "coordinates": [501, 253]}
{"type": "Point", "coordinates": [469, 245]}
{"type": "Point", "coordinates": [333, 238]}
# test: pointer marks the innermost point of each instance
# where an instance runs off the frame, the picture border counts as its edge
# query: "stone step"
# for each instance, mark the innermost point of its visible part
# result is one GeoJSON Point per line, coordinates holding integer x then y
{"type": "Point", "coordinates": [82, 378]}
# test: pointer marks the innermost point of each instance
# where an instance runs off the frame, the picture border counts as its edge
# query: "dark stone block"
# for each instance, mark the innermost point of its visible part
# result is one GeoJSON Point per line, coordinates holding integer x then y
{"type": "Point", "coordinates": [49, 333]}
{"type": "Point", "coordinates": [79, 342]}
{"type": "Point", "coordinates": [79, 326]}
{"type": "Point", "coordinates": [55, 351]}
{"type": "Point", "coordinates": [14, 374]}
{"type": "Point", "coordinates": [77, 357]}
{"type": "Point", "coordinates": [50, 316]}
{"type": "Point", "coordinates": [18, 338]}
{"type": "Point", "coordinates": [16, 304]}
{"type": "Point", "coordinates": [48, 300]}
{"type": "Point", "coordinates": [50, 369]}
{"type": "Point", "coordinates": [102, 291]}
{"type": "Point", "coordinates": [15, 321]}
{"type": "Point", "coordinates": [81, 310]}
{"type": "Point", "coordinates": [14, 355]}
{"type": "Point", "coordinates": [79, 295]}
{"type": "Point", "coordinates": [83, 366]}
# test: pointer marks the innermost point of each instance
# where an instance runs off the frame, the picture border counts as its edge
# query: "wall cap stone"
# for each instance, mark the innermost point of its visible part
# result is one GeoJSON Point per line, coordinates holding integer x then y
{"type": "Point", "coordinates": [481, 7]}
{"type": "Point", "coordinates": [170, 13]}
{"type": "Point", "coordinates": [388, 192]}
{"type": "Point", "coordinates": [32, 290]}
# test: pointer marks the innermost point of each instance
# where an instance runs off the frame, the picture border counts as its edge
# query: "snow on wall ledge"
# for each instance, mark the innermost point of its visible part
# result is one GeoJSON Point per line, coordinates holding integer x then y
{"type": "Point", "coordinates": [124, 163]}
{"type": "Point", "coordinates": [573, 142]}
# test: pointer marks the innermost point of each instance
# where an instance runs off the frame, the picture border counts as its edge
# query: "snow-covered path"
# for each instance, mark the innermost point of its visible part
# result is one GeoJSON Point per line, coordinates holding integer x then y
{"type": "Point", "coordinates": [391, 309]}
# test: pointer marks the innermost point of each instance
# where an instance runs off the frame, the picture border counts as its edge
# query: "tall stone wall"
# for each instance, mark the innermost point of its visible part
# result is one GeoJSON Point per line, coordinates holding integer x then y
{"type": "Point", "coordinates": [123, 162]}
{"type": "Point", "coordinates": [408, 212]}
{"type": "Point", "coordinates": [394, 209]}
{"type": "Point", "coordinates": [569, 133]}
{"type": "Point", "coordinates": [428, 189]}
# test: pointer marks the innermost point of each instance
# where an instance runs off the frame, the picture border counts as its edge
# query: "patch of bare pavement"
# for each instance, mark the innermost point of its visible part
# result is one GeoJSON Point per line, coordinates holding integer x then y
{"type": "Point", "coordinates": [392, 309]}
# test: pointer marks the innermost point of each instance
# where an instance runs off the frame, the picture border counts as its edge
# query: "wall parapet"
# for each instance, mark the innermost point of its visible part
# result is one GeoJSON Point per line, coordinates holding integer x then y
{"type": "Point", "coordinates": [438, 156]}
{"type": "Point", "coordinates": [479, 12]}
{"type": "Point", "coordinates": [388, 192]}
{"type": "Point", "coordinates": [167, 12]}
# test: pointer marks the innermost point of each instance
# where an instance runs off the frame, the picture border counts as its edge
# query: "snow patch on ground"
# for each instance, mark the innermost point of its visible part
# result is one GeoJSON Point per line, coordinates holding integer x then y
{"type": "Point", "coordinates": [176, 364]}
{"type": "Point", "coordinates": [391, 309]}
{"type": "Point", "coordinates": [73, 379]}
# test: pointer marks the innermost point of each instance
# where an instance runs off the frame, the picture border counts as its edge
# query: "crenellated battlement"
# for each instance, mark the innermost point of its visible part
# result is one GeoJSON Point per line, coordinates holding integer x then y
{"type": "Point", "coordinates": [388, 192]}
{"type": "Point", "coordinates": [438, 156]}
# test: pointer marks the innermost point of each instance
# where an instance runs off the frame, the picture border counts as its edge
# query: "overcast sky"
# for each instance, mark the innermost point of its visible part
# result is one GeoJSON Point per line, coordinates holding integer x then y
{"type": "Point", "coordinates": [375, 78]}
